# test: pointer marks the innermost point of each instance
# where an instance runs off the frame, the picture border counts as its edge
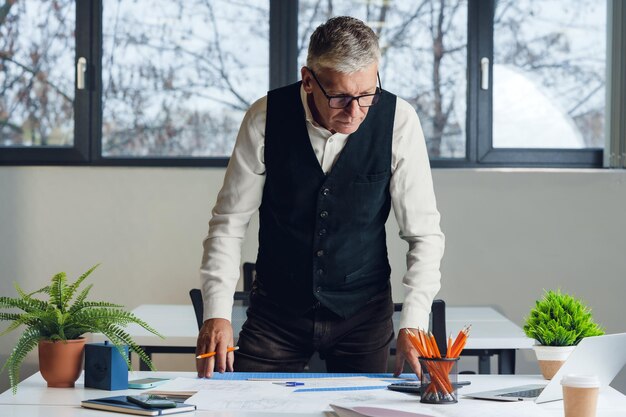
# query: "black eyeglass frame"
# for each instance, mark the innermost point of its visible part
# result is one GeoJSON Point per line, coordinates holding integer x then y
{"type": "Point", "coordinates": [375, 96]}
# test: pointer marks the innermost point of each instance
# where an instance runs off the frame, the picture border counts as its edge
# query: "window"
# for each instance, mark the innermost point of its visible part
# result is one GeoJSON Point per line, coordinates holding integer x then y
{"type": "Point", "coordinates": [36, 75]}
{"type": "Point", "coordinates": [549, 74]}
{"type": "Point", "coordinates": [35, 100]}
{"type": "Point", "coordinates": [495, 83]}
{"type": "Point", "coordinates": [548, 84]}
{"type": "Point", "coordinates": [177, 77]}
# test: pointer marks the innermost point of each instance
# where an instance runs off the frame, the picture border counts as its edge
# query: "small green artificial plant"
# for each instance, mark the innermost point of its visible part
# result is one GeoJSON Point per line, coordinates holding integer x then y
{"type": "Point", "coordinates": [560, 320]}
{"type": "Point", "coordinates": [58, 319]}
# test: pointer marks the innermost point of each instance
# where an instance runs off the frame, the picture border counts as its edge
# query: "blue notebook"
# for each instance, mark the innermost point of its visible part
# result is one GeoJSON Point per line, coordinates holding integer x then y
{"type": "Point", "coordinates": [119, 404]}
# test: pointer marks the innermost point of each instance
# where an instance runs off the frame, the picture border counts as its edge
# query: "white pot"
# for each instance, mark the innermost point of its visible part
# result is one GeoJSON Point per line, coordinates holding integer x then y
{"type": "Point", "coordinates": [551, 358]}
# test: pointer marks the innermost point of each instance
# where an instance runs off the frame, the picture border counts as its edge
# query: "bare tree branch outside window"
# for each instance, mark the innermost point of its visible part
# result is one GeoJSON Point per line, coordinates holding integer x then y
{"type": "Point", "coordinates": [178, 76]}
{"type": "Point", "coordinates": [551, 60]}
{"type": "Point", "coordinates": [36, 73]}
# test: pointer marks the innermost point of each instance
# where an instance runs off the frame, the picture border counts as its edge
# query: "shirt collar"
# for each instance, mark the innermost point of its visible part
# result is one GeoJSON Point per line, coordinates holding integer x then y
{"type": "Point", "coordinates": [307, 111]}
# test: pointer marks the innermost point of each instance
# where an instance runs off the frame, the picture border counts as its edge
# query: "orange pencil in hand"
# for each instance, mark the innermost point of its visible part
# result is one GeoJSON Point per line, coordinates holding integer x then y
{"type": "Point", "coordinates": [211, 354]}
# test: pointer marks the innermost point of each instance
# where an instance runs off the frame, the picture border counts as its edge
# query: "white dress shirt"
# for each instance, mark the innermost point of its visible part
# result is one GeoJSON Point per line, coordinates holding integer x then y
{"type": "Point", "coordinates": [412, 196]}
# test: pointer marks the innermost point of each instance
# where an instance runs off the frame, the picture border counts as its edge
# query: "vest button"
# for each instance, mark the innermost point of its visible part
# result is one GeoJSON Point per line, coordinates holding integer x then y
{"type": "Point", "coordinates": [322, 232]}
{"type": "Point", "coordinates": [326, 191]}
{"type": "Point", "coordinates": [324, 214]}
{"type": "Point", "coordinates": [320, 272]}
{"type": "Point", "coordinates": [318, 289]}
{"type": "Point", "coordinates": [320, 253]}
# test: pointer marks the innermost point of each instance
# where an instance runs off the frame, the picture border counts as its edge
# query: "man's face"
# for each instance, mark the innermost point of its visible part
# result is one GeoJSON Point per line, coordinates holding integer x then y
{"type": "Point", "coordinates": [348, 119]}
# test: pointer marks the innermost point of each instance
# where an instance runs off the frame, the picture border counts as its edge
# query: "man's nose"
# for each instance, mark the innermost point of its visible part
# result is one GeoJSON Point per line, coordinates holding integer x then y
{"type": "Point", "coordinates": [353, 108]}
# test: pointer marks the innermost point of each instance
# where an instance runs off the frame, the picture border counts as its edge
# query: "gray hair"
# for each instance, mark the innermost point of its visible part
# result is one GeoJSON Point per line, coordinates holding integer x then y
{"type": "Point", "coordinates": [343, 44]}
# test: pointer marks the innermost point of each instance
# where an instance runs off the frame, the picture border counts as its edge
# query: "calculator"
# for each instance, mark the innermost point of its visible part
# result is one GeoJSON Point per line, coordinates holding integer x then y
{"type": "Point", "coordinates": [413, 387]}
{"type": "Point", "coordinates": [410, 387]}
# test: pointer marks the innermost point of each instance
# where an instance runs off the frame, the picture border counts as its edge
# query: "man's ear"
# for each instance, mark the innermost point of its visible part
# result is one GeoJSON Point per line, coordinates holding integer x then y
{"type": "Point", "coordinates": [307, 80]}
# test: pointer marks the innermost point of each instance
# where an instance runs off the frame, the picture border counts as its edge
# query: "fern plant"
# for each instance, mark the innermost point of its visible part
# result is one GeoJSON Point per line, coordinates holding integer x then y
{"type": "Point", "coordinates": [58, 318]}
{"type": "Point", "coordinates": [560, 320]}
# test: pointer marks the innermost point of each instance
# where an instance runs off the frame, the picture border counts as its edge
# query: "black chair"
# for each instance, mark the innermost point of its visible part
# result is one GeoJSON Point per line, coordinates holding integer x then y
{"type": "Point", "coordinates": [249, 273]}
{"type": "Point", "coordinates": [198, 307]}
{"type": "Point", "coordinates": [437, 324]}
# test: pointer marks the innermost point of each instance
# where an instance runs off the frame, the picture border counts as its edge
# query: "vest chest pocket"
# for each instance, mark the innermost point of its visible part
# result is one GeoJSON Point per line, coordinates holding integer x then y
{"type": "Point", "coordinates": [374, 177]}
{"type": "Point", "coordinates": [368, 194]}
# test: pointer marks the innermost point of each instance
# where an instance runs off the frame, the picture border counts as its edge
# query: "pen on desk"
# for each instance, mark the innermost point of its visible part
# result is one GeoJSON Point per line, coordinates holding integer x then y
{"type": "Point", "coordinates": [289, 383]}
{"type": "Point", "coordinates": [211, 354]}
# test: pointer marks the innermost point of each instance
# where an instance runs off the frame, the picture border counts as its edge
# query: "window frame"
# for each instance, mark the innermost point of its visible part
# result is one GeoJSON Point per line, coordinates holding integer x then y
{"type": "Point", "coordinates": [283, 22]}
{"type": "Point", "coordinates": [79, 152]}
{"type": "Point", "coordinates": [481, 30]}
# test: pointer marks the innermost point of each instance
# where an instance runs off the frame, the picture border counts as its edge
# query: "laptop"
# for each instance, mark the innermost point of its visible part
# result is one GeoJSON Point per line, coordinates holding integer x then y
{"type": "Point", "coordinates": [603, 356]}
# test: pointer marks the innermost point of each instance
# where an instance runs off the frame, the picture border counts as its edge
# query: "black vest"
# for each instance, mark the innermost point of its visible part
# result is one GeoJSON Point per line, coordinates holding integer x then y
{"type": "Point", "coordinates": [322, 237]}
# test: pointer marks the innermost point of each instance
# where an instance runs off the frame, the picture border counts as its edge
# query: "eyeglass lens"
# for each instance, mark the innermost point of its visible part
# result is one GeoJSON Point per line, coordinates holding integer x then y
{"type": "Point", "coordinates": [364, 101]}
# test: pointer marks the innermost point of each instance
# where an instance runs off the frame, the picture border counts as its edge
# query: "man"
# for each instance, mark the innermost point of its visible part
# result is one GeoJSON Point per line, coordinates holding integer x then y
{"type": "Point", "coordinates": [323, 161]}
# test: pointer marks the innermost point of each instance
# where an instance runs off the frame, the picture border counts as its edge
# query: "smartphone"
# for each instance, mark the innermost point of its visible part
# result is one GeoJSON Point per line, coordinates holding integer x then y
{"type": "Point", "coordinates": [146, 382]}
{"type": "Point", "coordinates": [151, 401]}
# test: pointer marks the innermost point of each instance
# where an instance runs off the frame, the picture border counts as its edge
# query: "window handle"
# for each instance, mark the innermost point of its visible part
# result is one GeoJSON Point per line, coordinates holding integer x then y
{"type": "Point", "coordinates": [81, 68]}
{"type": "Point", "coordinates": [484, 73]}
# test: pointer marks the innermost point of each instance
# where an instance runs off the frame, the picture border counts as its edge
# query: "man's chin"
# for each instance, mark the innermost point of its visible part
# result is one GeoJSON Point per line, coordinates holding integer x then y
{"type": "Point", "coordinates": [347, 129]}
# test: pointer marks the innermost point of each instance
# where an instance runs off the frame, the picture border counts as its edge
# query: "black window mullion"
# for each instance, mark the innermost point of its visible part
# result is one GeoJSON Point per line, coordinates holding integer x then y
{"type": "Point", "coordinates": [83, 97]}
{"type": "Point", "coordinates": [544, 157]}
{"type": "Point", "coordinates": [481, 104]}
{"type": "Point", "coordinates": [93, 124]}
{"type": "Point", "coordinates": [478, 118]}
{"type": "Point", "coordinates": [283, 42]}
{"type": "Point", "coordinates": [40, 156]}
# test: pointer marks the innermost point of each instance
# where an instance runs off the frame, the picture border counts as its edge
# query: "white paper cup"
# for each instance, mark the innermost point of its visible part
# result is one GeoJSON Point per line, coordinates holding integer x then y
{"type": "Point", "coordinates": [580, 395]}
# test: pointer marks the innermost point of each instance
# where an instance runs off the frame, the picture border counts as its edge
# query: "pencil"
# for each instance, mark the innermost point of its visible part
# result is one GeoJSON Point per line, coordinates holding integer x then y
{"type": "Point", "coordinates": [211, 354]}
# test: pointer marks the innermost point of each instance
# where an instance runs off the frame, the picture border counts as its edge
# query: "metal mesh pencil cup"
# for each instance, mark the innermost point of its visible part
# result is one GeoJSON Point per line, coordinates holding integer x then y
{"type": "Point", "coordinates": [439, 380]}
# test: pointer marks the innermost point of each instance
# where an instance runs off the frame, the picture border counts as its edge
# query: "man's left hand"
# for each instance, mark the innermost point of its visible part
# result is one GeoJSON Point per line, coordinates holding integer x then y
{"type": "Point", "coordinates": [406, 352]}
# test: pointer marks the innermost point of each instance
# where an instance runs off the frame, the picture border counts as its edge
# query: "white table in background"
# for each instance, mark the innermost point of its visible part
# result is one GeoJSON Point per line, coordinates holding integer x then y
{"type": "Point", "coordinates": [491, 334]}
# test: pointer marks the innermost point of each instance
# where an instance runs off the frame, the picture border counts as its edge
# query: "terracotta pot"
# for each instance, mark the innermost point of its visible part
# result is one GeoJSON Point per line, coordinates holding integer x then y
{"type": "Point", "coordinates": [61, 362]}
{"type": "Point", "coordinates": [551, 358]}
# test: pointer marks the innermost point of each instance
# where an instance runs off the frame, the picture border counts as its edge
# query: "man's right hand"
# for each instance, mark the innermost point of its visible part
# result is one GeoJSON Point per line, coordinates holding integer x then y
{"type": "Point", "coordinates": [216, 335]}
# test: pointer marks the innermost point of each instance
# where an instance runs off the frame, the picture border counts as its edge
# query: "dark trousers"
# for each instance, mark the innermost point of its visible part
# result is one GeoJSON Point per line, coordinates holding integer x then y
{"type": "Point", "coordinates": [275, 340]}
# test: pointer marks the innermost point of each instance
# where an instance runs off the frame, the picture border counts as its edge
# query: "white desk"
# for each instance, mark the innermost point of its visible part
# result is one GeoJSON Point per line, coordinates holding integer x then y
{"type": "Point", "coordinates": [491, 334]}
{"type": "Point", "coordinates": [35, 399]}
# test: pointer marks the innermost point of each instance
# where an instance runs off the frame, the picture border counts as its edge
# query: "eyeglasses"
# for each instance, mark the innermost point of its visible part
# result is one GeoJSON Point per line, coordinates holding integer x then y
{"type": "Point", "coordinates": [343, 101]}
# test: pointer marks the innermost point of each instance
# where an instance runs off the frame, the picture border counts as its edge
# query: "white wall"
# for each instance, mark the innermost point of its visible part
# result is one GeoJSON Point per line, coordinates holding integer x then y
{"type": "Point", "coordinates": [510, 235]}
